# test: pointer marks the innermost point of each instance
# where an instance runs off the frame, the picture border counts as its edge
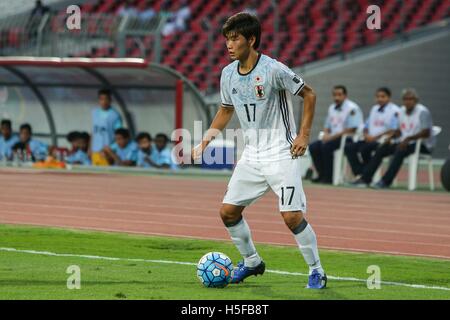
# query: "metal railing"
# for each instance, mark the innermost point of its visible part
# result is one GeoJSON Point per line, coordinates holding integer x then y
{"type": "Point", "coordinates": [50, 35]}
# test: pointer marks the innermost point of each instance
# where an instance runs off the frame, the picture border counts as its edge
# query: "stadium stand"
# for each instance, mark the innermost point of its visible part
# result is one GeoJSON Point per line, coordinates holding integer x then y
{"type": "Point", "coordinates": [309, 30]}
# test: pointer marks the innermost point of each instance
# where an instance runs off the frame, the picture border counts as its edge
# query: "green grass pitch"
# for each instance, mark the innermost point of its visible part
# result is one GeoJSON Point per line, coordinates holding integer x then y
{"type": "Point", "coordinates": [41, 276]}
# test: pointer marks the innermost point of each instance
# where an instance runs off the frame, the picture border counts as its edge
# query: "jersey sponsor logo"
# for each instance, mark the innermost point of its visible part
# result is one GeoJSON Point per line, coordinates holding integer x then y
{"type": "Point", "coordinates": [234, 91]}
{"type": "Point", "coordinates": [296, 80]}
{"type": "Point", "coordinates": [259, 91]}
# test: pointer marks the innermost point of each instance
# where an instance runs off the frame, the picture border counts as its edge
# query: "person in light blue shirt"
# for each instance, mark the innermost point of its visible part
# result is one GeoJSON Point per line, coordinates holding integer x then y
{"type": "Point", "coordinates": [105, 120]}
{"type": "Point", "coordinates": [80, 146]}
{"type": "Point", "coordinates": [123, 152]}
{"type": "Point", "coordinates": [144, 141]}
{"type": "Point", "coordinates": [7, 140]}
{"type": "Point", "coordinates": [344, 118]}
{"type": "Point", "coordinates": [35, 150]}
{"type": "Point", "coordinates": [382, 121]}
{"type": "Point", "coordinates": [156, 156]}
{"type": "Point", "coordinates": [161, 155]}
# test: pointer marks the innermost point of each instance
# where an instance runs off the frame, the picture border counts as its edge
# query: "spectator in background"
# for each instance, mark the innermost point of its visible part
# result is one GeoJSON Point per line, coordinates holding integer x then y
{"type": "Point", "coordinates": [80, 147]}
{"type": "Point", "coordinates": [344, 117]}
{"type": "Point", "coordinates": [252, 8]}
{"type": "Point", "coordinates": [28, 148]}
{"type": "Point", "coordinates": [36, 15]}
{"type": "Point", "coordinates": [178, 21]}
{"type": "Point", "coordinates": [382, 121]}
{"type": "Point", "coordinates": [161, 155]}
{"type": "Point", "coordinates": [7, 140]}
{"type": "Point", "coordinates": [105, 120]}
{"type": "Point", "coordinates": [148, 13]}
{"type": "Point", "coordinates": [415, 123]}
{"type": "Point", "coordinates": [123, 152]}
{"type": "Point", "coordinates": [128, 9]}
{"type": "Point", "coordinates": [144, 141]}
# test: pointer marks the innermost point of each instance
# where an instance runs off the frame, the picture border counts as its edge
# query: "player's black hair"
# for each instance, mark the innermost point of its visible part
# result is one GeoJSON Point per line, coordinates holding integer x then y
{"type": "Point", "coordinates": [125, 133]}
{"type": "Point", "coordinates": [104, 91]}
{"type": "Point", "coordinates": [386, 90]}
{"type": "Point", "coordinates": [85, 136]}
{"type": "Point", "coordinates": [143, 135]}
{"type": "Point", "coordinates": [243, 23]}
{"type": "Point", "coordinates": [162, 135]}
{"type": "Point", "coordinates": [73, 135]}
{"type": "Point", "coordinates": [7, 123]}
{"type": "Point", "coordinates": [26, 126]}
{"type": "Point", "coordinates": [340, 87]}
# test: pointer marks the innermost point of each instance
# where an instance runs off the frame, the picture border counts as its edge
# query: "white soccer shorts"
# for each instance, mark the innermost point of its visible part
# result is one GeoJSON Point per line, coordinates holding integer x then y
{"type": "Point", "coordinates": [251, 180]}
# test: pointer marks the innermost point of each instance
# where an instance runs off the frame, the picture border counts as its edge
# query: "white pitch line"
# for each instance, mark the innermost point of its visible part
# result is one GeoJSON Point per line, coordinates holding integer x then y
{"type": "Point", "coordinates": [47, 253]}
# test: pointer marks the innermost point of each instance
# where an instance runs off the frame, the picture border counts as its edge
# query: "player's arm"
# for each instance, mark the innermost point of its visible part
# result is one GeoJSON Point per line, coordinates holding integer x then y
{"type": "Point", "coordinates": [220, 121]}
{"type": "Point", "coordinates": [110, 155]}
{"type": "Point", "coordinates": [309, 104]}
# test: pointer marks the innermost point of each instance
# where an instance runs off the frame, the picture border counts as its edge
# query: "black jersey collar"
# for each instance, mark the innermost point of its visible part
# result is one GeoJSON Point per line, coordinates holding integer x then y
{"type": "Point", "coordinates": [245, 74]}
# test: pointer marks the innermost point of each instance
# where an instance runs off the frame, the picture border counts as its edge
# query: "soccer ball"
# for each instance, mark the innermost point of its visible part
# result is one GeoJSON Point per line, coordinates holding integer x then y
{"type": "Point", "coordinates": [214, 270]}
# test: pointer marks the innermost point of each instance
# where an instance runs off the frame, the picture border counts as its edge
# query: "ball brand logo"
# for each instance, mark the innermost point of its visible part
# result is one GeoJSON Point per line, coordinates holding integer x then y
{"type": "Point", "coordinates": [223, 268]}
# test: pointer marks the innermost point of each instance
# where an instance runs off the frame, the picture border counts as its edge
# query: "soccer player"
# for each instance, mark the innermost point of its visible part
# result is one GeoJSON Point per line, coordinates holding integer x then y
{"type": "Point", "coordinates": [105, 120]}
{"type": "Point", "coordinates": [34, 149]}
{"type": "Point", "coordinates": [344, 118]}
{"type": "Point", "coordinates": [415, 123]}
{"type": "Point", "coordinates": [382, 122]}
{"type": "Point", "coordinates": [254, 86]}
{"type": "Point", "coordinates": [123, 152]}
{"type": "Point", "coordinates": [7, 140]}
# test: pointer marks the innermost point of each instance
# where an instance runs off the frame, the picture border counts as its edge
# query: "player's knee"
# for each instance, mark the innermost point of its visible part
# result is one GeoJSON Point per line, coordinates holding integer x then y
{"type": "Point", "coordinates": [293, 220]}
{"type": "Point", "coordinates": [230, 216]}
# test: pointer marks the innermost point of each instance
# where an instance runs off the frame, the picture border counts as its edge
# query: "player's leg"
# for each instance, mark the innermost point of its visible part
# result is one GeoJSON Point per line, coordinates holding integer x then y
{"type": "Point", "coordinates": [246, 186]}
{"type": "Point", "coordinates": [240, 233]}
{"type": "Point", "coordinates": [307, 242]}
{"type": "Point", "coordinates": [286, 182]}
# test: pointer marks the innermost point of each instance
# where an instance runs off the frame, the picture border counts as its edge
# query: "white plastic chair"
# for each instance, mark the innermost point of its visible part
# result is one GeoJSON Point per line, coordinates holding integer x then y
{"type": "Point", "coordinates": [413, 162]}
{"type": "Point", "coordinates": [340, 160]}
{"type": "Point", "coordinates": [418, 158]}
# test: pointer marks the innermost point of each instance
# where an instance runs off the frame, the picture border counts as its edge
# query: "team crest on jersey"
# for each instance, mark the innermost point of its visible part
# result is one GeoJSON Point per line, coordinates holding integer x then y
{"type": "Point", "coordinates": [259, 91]}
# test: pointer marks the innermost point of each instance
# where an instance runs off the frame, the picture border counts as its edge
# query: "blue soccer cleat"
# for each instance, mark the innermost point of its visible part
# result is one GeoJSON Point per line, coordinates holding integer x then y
{"type": "Point", "coordinates": [316, 280]}
{"type": "Point", "coordinates": [241, 272]}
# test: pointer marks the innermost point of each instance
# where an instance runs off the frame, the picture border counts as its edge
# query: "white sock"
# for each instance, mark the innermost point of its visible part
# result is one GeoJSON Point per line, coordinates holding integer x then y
{"type": "Point", "coordinates": [307, 243]}
{"type": "Point", "coordinates": [242, 239]}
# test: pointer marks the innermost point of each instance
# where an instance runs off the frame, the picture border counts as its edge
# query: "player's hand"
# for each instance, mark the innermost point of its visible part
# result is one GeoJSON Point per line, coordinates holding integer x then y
{"type": "Point", "coordinates": [299, 146]}
{"type": "Point", "coordinates": [196, 152]}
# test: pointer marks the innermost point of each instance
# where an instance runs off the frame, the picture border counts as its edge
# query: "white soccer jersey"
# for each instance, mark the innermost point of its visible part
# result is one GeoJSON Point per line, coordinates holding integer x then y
{"type": "Point", "coordinates": [382, 119]}
{"type": "Point", "coordinates": [263, 107]}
